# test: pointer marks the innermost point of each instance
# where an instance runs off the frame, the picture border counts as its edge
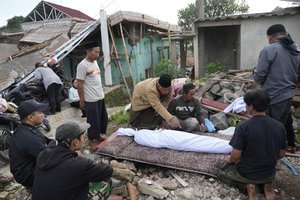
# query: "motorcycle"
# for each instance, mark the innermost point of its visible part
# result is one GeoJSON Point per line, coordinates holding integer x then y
{"type": "Point", "coordinates": [8, 122]}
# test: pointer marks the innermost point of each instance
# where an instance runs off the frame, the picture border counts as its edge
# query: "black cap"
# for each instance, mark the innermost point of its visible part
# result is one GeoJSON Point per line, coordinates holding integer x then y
{"type": "Point", "coordinates": [187, 87]}
{"type": "Point", "coordinates": [91, 45]}
{"type": "Point", "coordinates": [69, 131]}
{"type": "Point", "coordinates": [27, 107]}
{"type": "Point", "coordinates": [165, 81]}
{"type": "Point", "coordinates": [275, 28]}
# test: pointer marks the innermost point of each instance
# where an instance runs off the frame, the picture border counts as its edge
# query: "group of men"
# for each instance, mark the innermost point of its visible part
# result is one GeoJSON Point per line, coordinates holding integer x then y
{"type": "Point", "coordinates": [52, 169]}
{"type": "Point", "coordinates": [257, 143]}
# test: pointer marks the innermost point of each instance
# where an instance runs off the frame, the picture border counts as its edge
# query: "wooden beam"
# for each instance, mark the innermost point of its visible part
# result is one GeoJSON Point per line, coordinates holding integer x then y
{"type": "Point", "coordinates": [126, 54]}
{"type": "Point", "coordinates": [118, 60]}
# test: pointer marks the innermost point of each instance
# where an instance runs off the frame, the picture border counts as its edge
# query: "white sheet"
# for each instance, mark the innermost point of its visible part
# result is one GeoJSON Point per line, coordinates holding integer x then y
{"type": "Point", "coordinates": [177, 140]}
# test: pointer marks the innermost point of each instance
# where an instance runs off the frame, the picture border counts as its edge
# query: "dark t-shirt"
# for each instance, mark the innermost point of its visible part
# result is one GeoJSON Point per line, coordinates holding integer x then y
{"type": "Point", "coordinates": [260, 139]}
{"type": "Point", "coordinates": [185, 109]}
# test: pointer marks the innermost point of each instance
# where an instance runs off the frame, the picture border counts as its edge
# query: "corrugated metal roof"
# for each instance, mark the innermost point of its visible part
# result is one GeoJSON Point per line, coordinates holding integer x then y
{"type": "Point", "coordinates": [286, 11]}
{"type": "Point", "coordinates": [44, 33]}
{"type": "Point", "coordinates": [79, 27]}
{"type": "Point", "coordinates": [142, 18]}
{"type": "Point", "coordinates": [71, 12]}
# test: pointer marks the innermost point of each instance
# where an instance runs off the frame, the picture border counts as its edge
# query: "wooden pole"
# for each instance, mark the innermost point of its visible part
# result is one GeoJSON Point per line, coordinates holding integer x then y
{"type": "Point", "coordinates": [126, 54]}
{"type": "Point", "coordinates": [119, 63]}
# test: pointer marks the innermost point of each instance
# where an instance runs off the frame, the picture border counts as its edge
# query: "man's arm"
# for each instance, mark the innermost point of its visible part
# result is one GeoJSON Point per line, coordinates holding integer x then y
{"type": "Point", "coordinates": [262, 69]}
{"type": "Point", "coordinates": [81, 93]}
{"type": "Point", "coordinates": [235, 155]}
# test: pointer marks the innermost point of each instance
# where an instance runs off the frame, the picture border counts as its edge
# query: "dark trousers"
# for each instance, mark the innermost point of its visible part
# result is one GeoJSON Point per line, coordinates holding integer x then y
{"type": "Point", "coordinates": [76, 104]}
{"type": "Point", "coordinates": [97, 117]}
{"type": "Point", "coordinates": [53, 92]}
{"type": "Point", "coordinates": [281, 112]}
{"type": "Point", "coordinates": [145, 119]}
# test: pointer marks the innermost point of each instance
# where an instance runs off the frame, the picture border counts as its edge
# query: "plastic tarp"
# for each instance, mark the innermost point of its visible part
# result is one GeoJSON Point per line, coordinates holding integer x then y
{"type": "Point", "coordinates": [177, 140]}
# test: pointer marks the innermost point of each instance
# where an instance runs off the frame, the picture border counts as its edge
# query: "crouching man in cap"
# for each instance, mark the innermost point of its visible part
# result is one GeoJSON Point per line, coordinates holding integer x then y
{"type": "Point", "coordinates": [188, 110]}
{"type": "Point", "coordinates": [62, 174]}
{"type": "Point", "coordinates": [149, 103]}
{"type": "Point", "coordinates": [257, 145]}
{"type": "Point", "coordinates": [27, 142]}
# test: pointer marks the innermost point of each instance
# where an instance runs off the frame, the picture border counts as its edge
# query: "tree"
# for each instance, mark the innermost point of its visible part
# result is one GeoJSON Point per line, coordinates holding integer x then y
{"type": "Point", "coordinates": [213, 8]}
{"type": "Point", "coordinates": [15, 22]}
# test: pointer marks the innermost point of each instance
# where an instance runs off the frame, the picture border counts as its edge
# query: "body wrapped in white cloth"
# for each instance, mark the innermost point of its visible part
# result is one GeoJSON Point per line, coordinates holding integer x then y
{"type": "Point", "coordinates": [177, 140]}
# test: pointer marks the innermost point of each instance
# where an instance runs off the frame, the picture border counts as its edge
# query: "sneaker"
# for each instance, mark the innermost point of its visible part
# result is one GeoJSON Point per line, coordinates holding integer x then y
{"type": "Point", "coordinates": [291, 149]}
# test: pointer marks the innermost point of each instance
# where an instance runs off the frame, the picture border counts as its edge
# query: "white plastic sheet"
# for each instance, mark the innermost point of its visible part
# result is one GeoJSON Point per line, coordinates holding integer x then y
{"type": "Point", "coordinates": [177, 140]}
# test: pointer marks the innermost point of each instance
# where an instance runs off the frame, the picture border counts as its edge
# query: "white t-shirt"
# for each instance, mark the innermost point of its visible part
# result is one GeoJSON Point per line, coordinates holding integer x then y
{"type": "Point", "coordinates": [89, 72]}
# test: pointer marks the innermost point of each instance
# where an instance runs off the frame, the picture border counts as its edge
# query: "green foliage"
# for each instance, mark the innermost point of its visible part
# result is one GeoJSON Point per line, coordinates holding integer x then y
{"type": "Point", "coordinates": [13, 24]}
{"type": "Point", "coordinates": [116, 98]}
{"type": "Point", "coordinates": [120, 117]}
{"type": "Point", "coordinates": [213, 8]}
{"type": "Point", "coordinates": [297, 138]}
{"type": "Point", "coordinates": [234, 121]}
{"type": "Point", "coordinates": [218, 8]}
{"type": "Point", "coordinates": [187, 16]}
{"type": "Point", "coordinates": [165, 66]}
{"type": "Point", "coordinates": [214, 67]}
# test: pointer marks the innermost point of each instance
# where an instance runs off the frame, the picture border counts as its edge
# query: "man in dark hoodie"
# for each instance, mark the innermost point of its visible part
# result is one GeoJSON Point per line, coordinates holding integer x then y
{"type": "Point", "coordinates": [61, 174]}
{"type": "Point", "coordinates": [277, 72]}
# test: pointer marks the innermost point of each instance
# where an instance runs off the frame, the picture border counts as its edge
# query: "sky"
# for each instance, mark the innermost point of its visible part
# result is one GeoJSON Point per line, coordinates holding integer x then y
{"type": "Point", "coordinates": [165, 10]}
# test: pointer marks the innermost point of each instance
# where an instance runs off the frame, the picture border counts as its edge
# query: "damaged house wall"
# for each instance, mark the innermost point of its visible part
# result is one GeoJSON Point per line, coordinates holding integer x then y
{"type": "Point", "coordinates": [237, 40]}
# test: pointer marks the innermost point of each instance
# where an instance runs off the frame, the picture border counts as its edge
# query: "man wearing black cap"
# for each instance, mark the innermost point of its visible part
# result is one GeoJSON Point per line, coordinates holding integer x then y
{"type": "Point", "coordinates": [62, 174]}
{"type": "Point", "coordinates": [188, 110]}
{"type": "Point", "coordinates": [277, 72]}
{"type": "Point", "coordinates": [91, 94]}
{"type": "Point", "coordinates": [27, 142]}
{"type": "Point", "coordinates": [149, 101]}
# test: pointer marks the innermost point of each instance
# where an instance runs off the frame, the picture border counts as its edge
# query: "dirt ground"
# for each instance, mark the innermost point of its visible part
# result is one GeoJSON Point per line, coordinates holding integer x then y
{"type": "Point", "coordinates": [286, 184]}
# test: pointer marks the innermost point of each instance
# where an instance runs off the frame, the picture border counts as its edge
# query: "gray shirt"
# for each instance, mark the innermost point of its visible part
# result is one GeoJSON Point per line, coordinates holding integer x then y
{"type": "Point", "coordinates": [277, 71]}
{"type": "Point", "coordinates": [89, 72]}
{"type": "Point", "coordinates": [47, 75]}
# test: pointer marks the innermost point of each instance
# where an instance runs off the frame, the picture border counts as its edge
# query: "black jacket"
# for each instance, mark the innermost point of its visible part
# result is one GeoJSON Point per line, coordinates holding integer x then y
{"type": "Point", "coordinates": [62, 174]}
{"type": "Point", "coordinates": [25, 145]}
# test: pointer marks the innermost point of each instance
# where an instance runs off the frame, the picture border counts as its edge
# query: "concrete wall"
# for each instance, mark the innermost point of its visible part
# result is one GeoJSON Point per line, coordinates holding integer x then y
{"type": "Point", "coordinates": [222, 45]}
{"type": "Point", "coordinates": [254, 38]}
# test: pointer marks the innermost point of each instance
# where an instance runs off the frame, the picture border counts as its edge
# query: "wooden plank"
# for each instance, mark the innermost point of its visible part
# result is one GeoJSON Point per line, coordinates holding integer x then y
{"type": "Point", "coordinates": [208, 85]}
{"type": "Point", "coordinates": [119, 63]}
{"type": "Point", "coordinates": [126, 55]}
{"type": "Point", "coordinates": [180, 180]}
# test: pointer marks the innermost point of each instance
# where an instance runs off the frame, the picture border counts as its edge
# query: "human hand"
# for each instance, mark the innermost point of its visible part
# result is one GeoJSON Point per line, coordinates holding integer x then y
{"type": "Point", "coordinates": [82, 105]}
{"type": "Point", "coordinates": [202, 128]}
{"type": "Point", "coordinates": [174, 123]}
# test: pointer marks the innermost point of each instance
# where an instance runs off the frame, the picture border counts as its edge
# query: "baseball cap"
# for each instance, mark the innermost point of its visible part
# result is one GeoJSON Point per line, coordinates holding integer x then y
{"type": "Point", "coordinates": [27, 107]}
{"type": "Point", "coordinates": [69, 131]}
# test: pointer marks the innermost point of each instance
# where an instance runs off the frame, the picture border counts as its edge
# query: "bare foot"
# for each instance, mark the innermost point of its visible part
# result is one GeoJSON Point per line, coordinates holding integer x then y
{"type": "Point", "coordinates": [269, 191]}
{"type": "Point", "coordinates": [251, 192]}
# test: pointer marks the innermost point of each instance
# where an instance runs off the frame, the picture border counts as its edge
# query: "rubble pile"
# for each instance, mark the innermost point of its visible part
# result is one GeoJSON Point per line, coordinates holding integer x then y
{"type": "Point", "coordinates": [229, 87]}
{"type": "Point", "coordinates": [136, 181]}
